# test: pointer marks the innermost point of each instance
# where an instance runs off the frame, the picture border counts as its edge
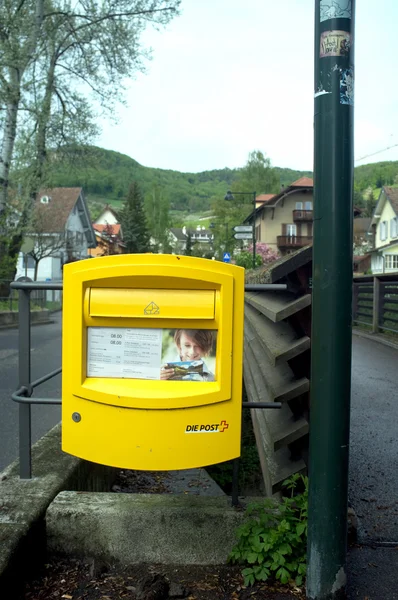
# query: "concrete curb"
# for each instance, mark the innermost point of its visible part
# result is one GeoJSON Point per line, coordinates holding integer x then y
{"type": "Point", "coordinates": [375, 338]}
{"type": "Point", "coordinates": [16, 326]}
{"type": "Point", "coordinates": [23, 503]}
{"type": "Point", "coordinates": [142, 528]}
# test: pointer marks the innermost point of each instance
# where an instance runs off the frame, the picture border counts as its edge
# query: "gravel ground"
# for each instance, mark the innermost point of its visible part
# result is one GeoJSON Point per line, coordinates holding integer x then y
{"type": "Point", "coordinates": [78, 580]}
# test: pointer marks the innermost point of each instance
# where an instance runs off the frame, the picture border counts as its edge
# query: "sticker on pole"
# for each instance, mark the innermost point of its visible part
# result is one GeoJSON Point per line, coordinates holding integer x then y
{"type": "Point", "coordinates": [227, 257]}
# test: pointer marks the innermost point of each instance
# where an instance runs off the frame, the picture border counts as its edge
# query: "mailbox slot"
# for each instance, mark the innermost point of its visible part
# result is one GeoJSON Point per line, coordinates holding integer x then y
{"type": "Point", "coordinates": [151, 303]}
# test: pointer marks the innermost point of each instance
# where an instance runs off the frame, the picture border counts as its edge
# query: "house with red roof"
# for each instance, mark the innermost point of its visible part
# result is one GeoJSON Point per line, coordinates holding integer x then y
{"type": "Point", "coordinates": [284, 221]}
{"type": "Point", "coordinates": [109, 240]}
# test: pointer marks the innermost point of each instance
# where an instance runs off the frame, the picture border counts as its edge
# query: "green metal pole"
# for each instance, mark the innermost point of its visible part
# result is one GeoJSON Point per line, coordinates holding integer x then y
{"type": "Point", "coordinates": [331, 299]}
{"type": "Point", "coordinates": [254, 230]}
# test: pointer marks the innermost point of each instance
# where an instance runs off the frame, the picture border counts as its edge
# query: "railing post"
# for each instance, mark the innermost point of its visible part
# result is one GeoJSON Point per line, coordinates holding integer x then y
{"type": "Point", "coordinates": [25, 429]}
{"type": "Point", "coordinates": [355, 290]}
{"type": "Point", "coordinates": [376, 304]}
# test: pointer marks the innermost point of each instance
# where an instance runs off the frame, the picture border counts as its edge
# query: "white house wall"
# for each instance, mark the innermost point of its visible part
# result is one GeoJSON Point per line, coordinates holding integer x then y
{"type": "Point", "coordinates": [387, 214]}
{"type": "Point", "coordinates": [74, 224]}
{"type": "Point", "coordinates": [106, 218]}
{"type": "Point", "coordinates": [46, 271]}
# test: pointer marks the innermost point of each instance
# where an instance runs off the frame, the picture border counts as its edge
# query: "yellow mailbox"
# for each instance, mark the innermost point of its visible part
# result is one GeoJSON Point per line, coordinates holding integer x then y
{"type": "Point", "coordinates": [152, 361]}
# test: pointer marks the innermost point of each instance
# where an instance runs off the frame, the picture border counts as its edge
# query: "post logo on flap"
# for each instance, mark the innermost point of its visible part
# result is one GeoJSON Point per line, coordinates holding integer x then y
{"type": "Point", "coordinates": [152, 309]}
{"type": "Point", "coordinates": [207, 428]}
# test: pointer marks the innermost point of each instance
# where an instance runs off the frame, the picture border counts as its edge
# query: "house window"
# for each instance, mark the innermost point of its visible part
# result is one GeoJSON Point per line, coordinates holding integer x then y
{"type": "Point", "coordinates": [383, 230]}
{"type": "Point", "coordinates": [299, 206]}
{"type": "Point", "coordinates": [258, 233]}
{"type": "Point", "coordinates": [391, 261]}
{"type": "Point", "coordinates": [291, 230]}
{"type": "Point", "coordinates": [394, 227]}
{"type": "Point", "coordinates": [308, 205]}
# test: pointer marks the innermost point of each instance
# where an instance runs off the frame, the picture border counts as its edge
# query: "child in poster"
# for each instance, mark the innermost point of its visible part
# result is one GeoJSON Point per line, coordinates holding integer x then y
{"type": "Point", "coordinates": [192, 345]}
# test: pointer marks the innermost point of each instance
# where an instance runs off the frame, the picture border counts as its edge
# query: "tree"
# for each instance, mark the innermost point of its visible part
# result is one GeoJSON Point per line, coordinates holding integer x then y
{"type": "Point", "coordinates": [43, 229]}
{"type": "Point", "coordinates": [189, 245]}
{"type": "Point", "coordinates": [157, 210]}
{"type": "Point", "coordinates": [57, 60]}
{"type": "Point", "coordinates": [133, 222]}
{"type": "Point", "coordinates": [20, 30]}
{"type": "Point", "coordinates": [264, 256]}
{"type": "Point", "coordinates": [257, 175]}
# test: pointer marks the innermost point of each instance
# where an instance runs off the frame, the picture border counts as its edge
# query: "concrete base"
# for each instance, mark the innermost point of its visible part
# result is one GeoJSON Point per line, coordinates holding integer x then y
{"type": "Point", "coordinates": [142, 528]}
{"type": "Point", "coordinates": [9, 320]}
{"type": "Point", "coordinates": [23, 502]}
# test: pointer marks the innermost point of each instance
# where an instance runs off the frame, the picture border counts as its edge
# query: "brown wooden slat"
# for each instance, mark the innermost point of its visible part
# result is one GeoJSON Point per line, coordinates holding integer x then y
{"type": "Point", "coordinates": [279, 340]}
{"type": "Point", "coordinates": [277, 306]}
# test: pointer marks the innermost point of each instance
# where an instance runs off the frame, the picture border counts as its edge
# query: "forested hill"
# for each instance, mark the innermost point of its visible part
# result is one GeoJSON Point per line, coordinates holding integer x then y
{"type": "Point", "coordinates": [106, 175]}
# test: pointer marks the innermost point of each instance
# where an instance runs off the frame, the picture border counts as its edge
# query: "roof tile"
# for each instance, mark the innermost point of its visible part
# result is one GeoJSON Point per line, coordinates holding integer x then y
{"type": "Point", "coordinates": [392, 195]}
{"type": "Point", "coordinates": [54, 215]}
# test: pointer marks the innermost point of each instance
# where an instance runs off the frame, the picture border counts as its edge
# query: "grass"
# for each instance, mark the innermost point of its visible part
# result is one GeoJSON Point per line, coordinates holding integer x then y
{"type": "Point", "coordinates": [12, 306]}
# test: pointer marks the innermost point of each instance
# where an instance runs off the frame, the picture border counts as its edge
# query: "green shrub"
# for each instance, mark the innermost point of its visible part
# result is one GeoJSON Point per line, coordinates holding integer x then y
{"type": "Point", "coordinates": [272, 540]}
{"type": "Point", "coordinates": [245, 260]}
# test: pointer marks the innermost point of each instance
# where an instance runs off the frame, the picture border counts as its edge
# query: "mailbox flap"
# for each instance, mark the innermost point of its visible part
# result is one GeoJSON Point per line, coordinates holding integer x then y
{"type": "Point", "coordinates": [153, 303]}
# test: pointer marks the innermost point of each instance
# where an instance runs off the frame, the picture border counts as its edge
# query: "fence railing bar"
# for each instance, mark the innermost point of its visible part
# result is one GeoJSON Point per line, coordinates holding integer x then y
{"type": "Point", "coordinates": [265, 287]}
{"type": "Point", "coordinates": [36, 285]}
{"type": "Point", "coordinates": [28, 400]}
{"type": "Point", "coordinates": [46, 377]}
{"type": "Point", "coordinates": [388, 329]}
{"type": "Point", "coordinates": [262, 404]}
{"type": "Point", "coordinates": [362, 322]}
{"type": "Point", "coordinates": [25, 422]}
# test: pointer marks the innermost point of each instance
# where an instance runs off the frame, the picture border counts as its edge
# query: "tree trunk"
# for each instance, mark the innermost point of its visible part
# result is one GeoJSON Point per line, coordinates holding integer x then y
{"type": "Point", "coordinates": [41, 139]}
{"type": "Point", "coordinates": [9, 134]}
{"type": "Point", "coordinates": [36, 270]}
{"type": "Point", "coordinates": [17, 71]}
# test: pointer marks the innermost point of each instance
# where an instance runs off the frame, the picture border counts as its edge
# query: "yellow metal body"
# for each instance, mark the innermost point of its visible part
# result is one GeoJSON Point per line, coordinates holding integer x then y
{"type": "Point", "coordinates": [152, 424]}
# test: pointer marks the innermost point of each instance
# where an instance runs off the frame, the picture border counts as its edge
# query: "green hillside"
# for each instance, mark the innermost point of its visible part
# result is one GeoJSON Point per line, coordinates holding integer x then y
{"type": "Point", "coordinates": [105, 176]}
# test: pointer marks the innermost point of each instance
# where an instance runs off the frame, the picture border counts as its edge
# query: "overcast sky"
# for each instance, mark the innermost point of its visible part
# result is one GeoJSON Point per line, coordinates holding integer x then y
{"type": "Point", "coordinates": [231, 76]}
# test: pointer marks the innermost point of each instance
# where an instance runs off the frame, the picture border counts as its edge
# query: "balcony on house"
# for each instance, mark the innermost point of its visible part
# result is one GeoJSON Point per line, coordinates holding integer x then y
{"type": "Point", "coordinates": [303, 212]}
{"type": "Point", "coordinates": [302, 215]}
{"type": "Point", "coordinates": [293, 241]}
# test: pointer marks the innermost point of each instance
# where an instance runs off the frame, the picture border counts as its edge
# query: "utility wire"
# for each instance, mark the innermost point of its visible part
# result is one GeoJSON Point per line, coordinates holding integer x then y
{"type": "Point", "coordinates": [374, 153]}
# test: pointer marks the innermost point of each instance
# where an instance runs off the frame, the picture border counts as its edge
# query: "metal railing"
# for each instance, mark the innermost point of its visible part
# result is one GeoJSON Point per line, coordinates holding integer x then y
{"type": "Point", "coordinates": [23, 395]}
{"type": "Point", "coordinates": [25, 389]}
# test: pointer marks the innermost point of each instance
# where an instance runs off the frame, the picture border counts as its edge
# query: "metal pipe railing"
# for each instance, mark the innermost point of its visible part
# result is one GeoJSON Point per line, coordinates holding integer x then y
{"type": "Point", "coordinates": [23, 395]}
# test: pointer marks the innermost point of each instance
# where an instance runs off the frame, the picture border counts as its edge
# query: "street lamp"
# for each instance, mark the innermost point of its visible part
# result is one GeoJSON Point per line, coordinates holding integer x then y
{"type": "Point", "coordinates": [230, 196]}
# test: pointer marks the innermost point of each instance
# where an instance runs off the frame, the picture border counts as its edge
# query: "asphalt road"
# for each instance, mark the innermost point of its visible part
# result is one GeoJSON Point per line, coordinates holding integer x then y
{"type": "Point", "coordinates": [373, 480]}
{"type": "Point", "coordinates": [373, 488]}
{"type": "Point", "coordinates": [45, 357]}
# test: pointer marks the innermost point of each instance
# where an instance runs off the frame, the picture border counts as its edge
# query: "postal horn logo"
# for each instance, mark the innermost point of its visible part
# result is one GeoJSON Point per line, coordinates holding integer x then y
{"type": "Point", "coordinates": [207, 428]}
{"type": "Point", "coordinates": [152, 309]}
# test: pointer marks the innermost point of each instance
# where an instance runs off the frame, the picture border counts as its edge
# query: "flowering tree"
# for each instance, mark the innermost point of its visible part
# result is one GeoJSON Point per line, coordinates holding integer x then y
{"type": "Point", "coordinates": [264, 256]}
{"type": "Point", "coordinates": [267, 254]}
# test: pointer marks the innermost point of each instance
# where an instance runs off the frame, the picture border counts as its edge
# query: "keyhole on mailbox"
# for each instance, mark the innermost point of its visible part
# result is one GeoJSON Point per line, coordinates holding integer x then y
{"type": "Point", "coordinates": [76, 417]}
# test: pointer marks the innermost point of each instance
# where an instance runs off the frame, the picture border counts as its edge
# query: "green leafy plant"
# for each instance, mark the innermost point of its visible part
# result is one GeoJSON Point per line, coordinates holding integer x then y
{"type": "Point", "coordinates": [272, 541]}
{"type": "Point", "coordinates": [245, 260]}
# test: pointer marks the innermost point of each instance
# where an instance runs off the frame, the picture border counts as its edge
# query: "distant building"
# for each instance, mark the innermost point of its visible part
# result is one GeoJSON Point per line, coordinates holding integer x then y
{"type": "Point", "coordinates": [65, 222]}
{"type": "Point", "coordinates": [200, 237]}
{"type": "Point", "coordinates": [384, 229]}
{"type": "Point", "coordinates": [284, 221]}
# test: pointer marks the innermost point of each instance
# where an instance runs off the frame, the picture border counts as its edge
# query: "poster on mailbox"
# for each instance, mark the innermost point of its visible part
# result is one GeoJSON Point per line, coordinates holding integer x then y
{"type": "Point", "coordinates": [165, 354]}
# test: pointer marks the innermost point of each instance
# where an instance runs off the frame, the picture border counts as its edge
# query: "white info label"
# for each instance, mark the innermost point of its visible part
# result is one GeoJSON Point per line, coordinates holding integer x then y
{"type": "Point", "coordinates": [122, 352]}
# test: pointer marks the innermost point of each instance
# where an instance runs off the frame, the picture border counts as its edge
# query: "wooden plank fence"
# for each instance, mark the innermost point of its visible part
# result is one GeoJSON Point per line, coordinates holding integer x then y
{"type": "Point", "coordinates": [375, 302]}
